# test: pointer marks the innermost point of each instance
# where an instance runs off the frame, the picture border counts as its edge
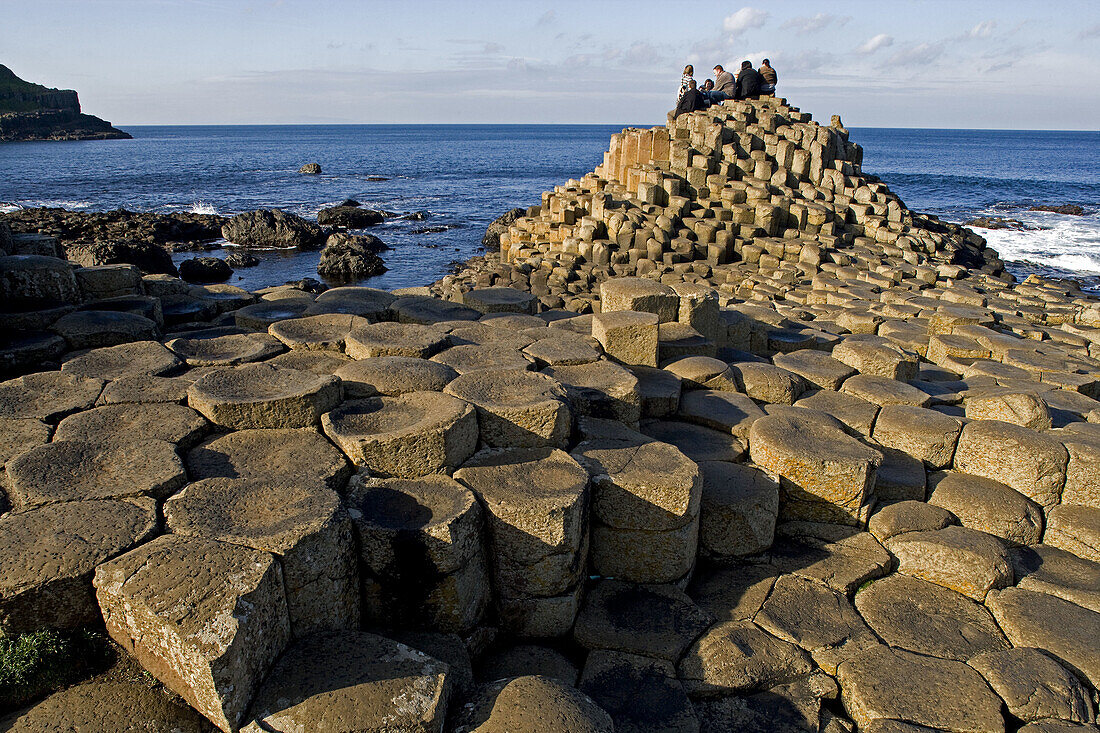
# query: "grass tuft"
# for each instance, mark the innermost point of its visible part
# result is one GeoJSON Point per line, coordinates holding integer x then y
{"type": "Point", "coordinates": [42, 661]}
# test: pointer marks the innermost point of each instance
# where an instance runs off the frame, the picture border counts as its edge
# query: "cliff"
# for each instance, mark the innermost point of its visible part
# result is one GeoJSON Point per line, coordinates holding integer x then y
{"type": "Point", "coordinates": [31, 111]}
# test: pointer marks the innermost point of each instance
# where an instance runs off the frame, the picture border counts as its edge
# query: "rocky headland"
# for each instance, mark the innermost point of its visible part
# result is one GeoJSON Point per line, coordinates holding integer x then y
{"type": "Point", "coordinates": [723, 437]}
{"type": "Point", "coordinates": [31, 111]}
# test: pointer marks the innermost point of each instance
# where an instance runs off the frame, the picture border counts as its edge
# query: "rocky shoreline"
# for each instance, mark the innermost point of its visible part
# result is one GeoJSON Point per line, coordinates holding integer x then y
{"type": "Point", "coordinates": [723, 437]}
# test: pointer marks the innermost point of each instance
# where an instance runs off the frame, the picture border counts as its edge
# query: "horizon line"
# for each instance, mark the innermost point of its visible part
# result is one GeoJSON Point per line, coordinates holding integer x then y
{"type": "Point", "coordinates": [564, 124]}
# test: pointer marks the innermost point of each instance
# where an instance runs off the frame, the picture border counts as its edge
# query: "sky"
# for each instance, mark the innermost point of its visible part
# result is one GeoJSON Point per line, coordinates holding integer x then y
{"type": "Point", "coordinates": [880, 63]}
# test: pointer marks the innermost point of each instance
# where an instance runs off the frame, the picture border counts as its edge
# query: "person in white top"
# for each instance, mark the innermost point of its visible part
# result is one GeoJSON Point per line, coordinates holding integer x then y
{"type": "Point", "coordinates": [685, 80]}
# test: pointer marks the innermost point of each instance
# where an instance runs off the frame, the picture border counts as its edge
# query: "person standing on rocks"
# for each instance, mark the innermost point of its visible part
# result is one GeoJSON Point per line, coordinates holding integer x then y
{"type": "Point", "coordinates": [691, 101]}
{"type": "Point", "coordinates": [770, 77]}
{"type": "Point", "coordinates": [687, 78]}
{"type": "Point", "coordinates": [749, 81]}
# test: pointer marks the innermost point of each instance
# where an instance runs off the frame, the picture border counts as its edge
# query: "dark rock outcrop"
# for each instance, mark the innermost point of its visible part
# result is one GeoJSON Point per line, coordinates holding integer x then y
{"type": "Point", "coordinates": [349, 257]}
{"type": "Point", "coordinates": [272, 228]}
{"type": "Point", "coordinates": [151, 259]}
{"type": "Point", "coordinates": [180, 230]}
{"type": "Point", "coordinates": [499, 226]}
{"type": "Point", "coordinates": [239, 258]}
{"type": "Point", "coordinates": [1070, 209]}
{"type": "Point", "coordinates": [33, 112]}
{"type": "Point", "coordinates": [310, 169]}
{"type": "Point", "coordinates": [998, 222]}
{"type": "Point", "coordinates": [350, 217]}
{"type": "Point", "coordinates": [205, 270]}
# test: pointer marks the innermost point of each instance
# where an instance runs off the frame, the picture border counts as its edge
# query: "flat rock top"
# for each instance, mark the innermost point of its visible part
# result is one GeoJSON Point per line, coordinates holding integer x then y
{"type": "Point", "coordinates": [402, 414]}
{"type": "Point", "coordinates": [380, 339]}
{"type": "Point", "coordinates": [524, 476]}
{"type": "Point", "coordinates": [139, 357]}
{"type": "Point", "coordinates": [47, 395]}
{"type": "Point", "coordinates": [795, 437]}
{"type": "Point", "coordinates": [635, 286]}
{"type": "Point", "coordinates": [266, 515]}
{"type": "Point", "coordinates": [118, 424]}
{"type": "Point", "coordinates": [190, 583]}
{"type": "Point", "coordinates": [533, 703]}
{"type": "Point", "coordinates": [290, 454]}
{"type": "Point", "coordinates": [69, 540]}
{"type": "Point", "coordinates": [335, 682]}
{"type": "Point", "coordinates": [19, 435]}
{"type": "Point", "coordinates": [321, 331]}
{"type": "Point", "coordinates": [506, 388]}
{"type": "Point", "coordinates": [393, 375]}
{"type": "Point", "coordinates": [601, 376]}
{"type": "Point", "coordinates": [76, 470]}
{"type": "Point", "coordinates": [257, 383]}
{"type": "Point", "coordinates": [412, 504]}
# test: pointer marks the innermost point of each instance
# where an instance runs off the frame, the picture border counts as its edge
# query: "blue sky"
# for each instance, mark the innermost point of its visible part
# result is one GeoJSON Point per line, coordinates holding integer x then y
{"type": "Point", "coordinates": [935, 63]}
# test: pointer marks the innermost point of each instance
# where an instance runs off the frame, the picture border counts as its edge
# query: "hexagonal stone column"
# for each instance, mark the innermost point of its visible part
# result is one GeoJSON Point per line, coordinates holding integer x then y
{"type": "Point", "coordinates": [350, 681]}
{"type": "Point", "coordinates": [516, 408]}
{"type": "Point", "coordinates": [112, 362]}
{"type": "Point", "coordinates": [640, 294]}
{"type": "Point", "coordinates": [628, 337]}
{"type": "Point", "coordinates": [739, 507]}
{"type": "Point", "coordinates": [536, 501]}
{"type": "Point", "coordinates": [47, 396]}
{"type": "Point", "coordinates": [48, 556]}
{"type": "Point", "coordinates": [500, 300]}
{"type": "Point", "coordinates": [119, 424]}
{"type": "Point", "coordinates": [420, 544]}
{"type": "Point", "coordinates": [825, 475]}
{"type": "Point", "coordinates": [965, 560]}
{"type": "Point", "coordinates": [405, 436]}
{"type": "Point", "coordinates": [394, 339]}
{"type": "Point", "coordinates": [206, 618]}
{"type": "Point", "coordinates": [393, 375]}
{"type": "Point", "coordinates": [303, 525]}
{"type": "Point", "coordinates": [301, 455]}
{"type": "Point", "coordinates": [326, 332]}
{"type": "Point", "coordinates": [225, 349]}
{"type": "Point", "coordinates": [76, 471]}
{"type": "Point", "coordinates": [645, 504]}
{"type": "Point", "coordinates": [602, 390]}
{"type": "Point", "coordinates": [264, 396]}
{"type": "Point", "coordinates": [1030, 462]}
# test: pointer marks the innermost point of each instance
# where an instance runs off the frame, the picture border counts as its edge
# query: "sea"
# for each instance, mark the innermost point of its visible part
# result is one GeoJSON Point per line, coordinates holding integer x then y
{"type": "Point", "coordinates": [464, 176]}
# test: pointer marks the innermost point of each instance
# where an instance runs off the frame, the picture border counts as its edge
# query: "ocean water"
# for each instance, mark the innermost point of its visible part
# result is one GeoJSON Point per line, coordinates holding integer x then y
{"type": "Point", "coordinates": [466, 175]}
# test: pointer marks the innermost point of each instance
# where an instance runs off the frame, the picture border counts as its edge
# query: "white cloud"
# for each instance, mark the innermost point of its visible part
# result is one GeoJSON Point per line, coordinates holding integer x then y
{"type": "Point", "coordinates": [1093, 31]}
{"type": "Point", "coordinates": [875, 43]}
{"type": "Point", "coordinates": [804, 24]}
{"type": "Point", "coordinates": [918, 54]}
{"type": "Point", "coordinates": [744, 19]}
{"type": "Point", "coordinates": [982, 30]}
{"type": "Point", "coordinates": [546, 18]}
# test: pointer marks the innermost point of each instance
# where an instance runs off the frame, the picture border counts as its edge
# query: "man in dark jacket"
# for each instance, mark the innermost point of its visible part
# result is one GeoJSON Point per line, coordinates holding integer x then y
{"type": "Point", "coordinates": [748, 82]}
{"type": "Point", "coordinates": [691, 101]}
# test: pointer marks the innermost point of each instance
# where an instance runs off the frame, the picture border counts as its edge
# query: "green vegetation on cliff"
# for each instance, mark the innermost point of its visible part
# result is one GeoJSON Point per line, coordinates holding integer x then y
{"type": "Point", "coordinates": [17, 95]}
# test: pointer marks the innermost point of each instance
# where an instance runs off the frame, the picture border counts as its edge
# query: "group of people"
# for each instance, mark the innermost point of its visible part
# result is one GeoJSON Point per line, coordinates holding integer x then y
{"type": "Point", "coordinates": [750, 83]}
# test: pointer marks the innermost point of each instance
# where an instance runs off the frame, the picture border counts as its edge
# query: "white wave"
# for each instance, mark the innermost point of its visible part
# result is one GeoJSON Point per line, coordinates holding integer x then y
{"type": "Point", "coordinates": [8, 208]}
{"type": "Point", "coordinates": [1066, 242]}
{"type": "Point", "coordinates": [201, 207]}
{"type": "Point", "coordinates": [62, 203]}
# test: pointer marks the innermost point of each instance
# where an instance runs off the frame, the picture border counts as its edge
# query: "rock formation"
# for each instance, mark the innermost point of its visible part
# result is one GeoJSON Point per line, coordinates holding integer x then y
{"type": "Point", "coordinates": [791, 457]}
{"type": "Point", "coordinates": [33, 112]}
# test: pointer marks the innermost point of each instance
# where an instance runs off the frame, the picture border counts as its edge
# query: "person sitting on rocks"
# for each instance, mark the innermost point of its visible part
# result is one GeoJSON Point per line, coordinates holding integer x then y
{"type": "Point", "coordinates": [691, 101]}
{"type": "Point", "coordinates": [748, 82]}
{"type": "Point", "coordinates": [725, 85]}
{"type": "Point", "coordinates": [689, 73]}
{"type": "Point", "coordinates": [770, 77]}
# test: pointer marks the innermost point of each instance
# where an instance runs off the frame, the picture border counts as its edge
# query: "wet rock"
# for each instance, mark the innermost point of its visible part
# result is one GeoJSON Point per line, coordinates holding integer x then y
{"type": "Point", "coordinates": [312, 169]}
{"type": "Point", "coordinates": [349, 217]}
{"type": "Point", "coordinates": [205, 270]}
{"type": "Point", "coordinates": [347, 258]}
{"type": "Point", "coordinates": [272, 228]}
